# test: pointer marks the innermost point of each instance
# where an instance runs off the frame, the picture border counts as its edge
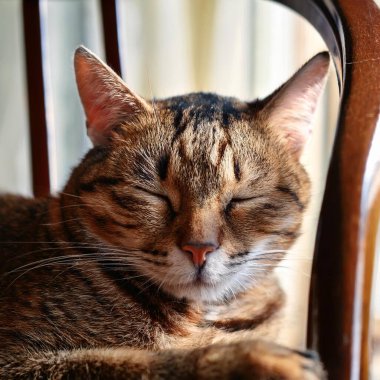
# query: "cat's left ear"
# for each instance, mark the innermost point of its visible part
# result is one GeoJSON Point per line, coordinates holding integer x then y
{"type": "Point", "coordinates": [106, 99]}
{"type": "Point", "coordinates": [289, 110]}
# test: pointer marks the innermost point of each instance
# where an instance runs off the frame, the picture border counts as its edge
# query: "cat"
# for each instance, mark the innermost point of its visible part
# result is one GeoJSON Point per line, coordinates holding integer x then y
{"type": "Point", "coordinates": [156, 260]}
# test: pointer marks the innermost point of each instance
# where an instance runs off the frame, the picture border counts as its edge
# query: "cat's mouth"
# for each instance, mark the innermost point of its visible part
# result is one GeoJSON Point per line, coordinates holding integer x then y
{"type": "Point", "coordinates": [198, 281]}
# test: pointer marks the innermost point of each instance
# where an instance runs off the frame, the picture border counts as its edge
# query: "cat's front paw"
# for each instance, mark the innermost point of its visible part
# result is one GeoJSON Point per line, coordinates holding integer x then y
{"type": "Point", "coordinates": [259, 360]}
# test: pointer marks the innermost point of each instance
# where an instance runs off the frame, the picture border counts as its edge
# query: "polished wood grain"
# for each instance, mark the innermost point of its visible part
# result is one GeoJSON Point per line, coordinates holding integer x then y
{"type": "Point", "coordinates": [36, 98]}
{"type": "Point", "coordinates": [110, 34]}
{"type": "Point", "coordinates": [345, 248]}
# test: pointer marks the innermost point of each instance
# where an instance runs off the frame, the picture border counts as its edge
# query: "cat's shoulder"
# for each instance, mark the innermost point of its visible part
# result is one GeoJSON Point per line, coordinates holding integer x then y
{"type": "Point", "coordinates": [19, 203]}
{"type": "Point", "coordinates": [16, 210]}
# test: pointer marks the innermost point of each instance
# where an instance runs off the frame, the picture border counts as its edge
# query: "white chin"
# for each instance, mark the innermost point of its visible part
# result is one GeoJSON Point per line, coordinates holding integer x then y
{"type": "Point", "coordinates": [199, 292]}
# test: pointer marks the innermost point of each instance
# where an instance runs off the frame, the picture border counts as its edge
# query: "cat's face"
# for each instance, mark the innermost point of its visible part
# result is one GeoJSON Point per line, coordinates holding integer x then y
{"type": "Point", "coordinates": [201, 194]}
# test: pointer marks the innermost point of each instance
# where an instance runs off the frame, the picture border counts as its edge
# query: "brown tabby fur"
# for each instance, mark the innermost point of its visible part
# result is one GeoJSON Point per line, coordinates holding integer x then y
{"type": "Point", "coordinates": [93, 281]}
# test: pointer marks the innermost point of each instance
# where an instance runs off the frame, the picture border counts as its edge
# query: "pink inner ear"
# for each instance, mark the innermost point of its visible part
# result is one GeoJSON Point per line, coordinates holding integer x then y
{"type": "Point", "coordinates": [291, 110]}
{"type": "Point", "coordinates": [98, 127]}
{"type": "Point", "coordinates": [95, 113]}
{"type": "Point", "coordinates": [106, 99]}
{"type": "Point", "coordinates": [291, 115]}
{"type": "Point", "coordinates": [296, 140]}
{"type": "Point", "coordinates": [292, 121]}
{"type": "Point", "coordinates": [101, 118]}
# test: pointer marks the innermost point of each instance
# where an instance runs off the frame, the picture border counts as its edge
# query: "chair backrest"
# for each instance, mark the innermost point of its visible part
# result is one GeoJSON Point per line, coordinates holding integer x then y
{"type": "Point", "coordinates": [340, 302]}
{"type": "Point", "coordinates": [342, 272]}
{"type": "Point", "coordinates": [36, 85]}
{"type": "Point", "coordinates": [36, 98]}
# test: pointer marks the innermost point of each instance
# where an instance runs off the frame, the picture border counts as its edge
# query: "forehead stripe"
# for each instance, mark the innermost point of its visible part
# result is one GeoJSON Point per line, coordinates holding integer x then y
{"type": "Point", "coordinates": [237, 171]}
{"type": "Point", "coordinates": [179, 125]}
{"type": "Point", "coordinates": [162, 166]}
{"type": "Point", "coordinates": [221, 150]}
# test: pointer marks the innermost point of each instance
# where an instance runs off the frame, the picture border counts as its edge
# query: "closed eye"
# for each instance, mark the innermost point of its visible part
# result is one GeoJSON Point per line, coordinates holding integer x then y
{"type": "Point", "coordinates": [242, 200]}
{"type": "Point", "coordinates": [157, 195]}
{"type": "Point", "coordinates": [152, 193]}
{"type": "Point", "coordinates": [235, 201]}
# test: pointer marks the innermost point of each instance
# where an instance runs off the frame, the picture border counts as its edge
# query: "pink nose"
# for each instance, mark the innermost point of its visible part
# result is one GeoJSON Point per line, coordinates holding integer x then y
{"type": "Point", "coordinates": [198, 252]}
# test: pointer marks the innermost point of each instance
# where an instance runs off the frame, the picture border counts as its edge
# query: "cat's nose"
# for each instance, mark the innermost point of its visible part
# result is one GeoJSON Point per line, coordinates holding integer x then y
{"type": "Point", "coordinates": [198, 251]}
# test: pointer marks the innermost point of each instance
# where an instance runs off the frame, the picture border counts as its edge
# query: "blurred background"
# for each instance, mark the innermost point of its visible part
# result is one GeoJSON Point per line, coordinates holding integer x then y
{"type": "Point", "coordinates": [243, 48]}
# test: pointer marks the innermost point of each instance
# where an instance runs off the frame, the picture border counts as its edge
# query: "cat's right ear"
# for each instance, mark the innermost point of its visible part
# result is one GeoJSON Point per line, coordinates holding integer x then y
{"type": "Point", "coordinates": [289, 110]}
{"type": "Point", "coordinates": [106, 99]}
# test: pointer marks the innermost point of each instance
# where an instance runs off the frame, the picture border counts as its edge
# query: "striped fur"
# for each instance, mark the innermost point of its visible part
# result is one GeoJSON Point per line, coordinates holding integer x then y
{"type": "Point", "coordinates": [95, 283]}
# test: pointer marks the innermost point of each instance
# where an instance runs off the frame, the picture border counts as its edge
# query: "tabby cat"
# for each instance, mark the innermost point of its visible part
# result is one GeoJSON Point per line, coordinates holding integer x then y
{"type": "Point", "coordinates": [156, 260]}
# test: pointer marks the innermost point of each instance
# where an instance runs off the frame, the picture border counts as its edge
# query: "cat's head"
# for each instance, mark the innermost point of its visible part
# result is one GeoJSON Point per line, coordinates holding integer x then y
{"type": "Point", "coordinates": [201, 193]}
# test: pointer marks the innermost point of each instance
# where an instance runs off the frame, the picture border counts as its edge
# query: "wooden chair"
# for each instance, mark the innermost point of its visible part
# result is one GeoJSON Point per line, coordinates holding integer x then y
{"type": "Point", "coordinates": [339, 313]}
{"type": "Point", "coordinates": [339, 316]}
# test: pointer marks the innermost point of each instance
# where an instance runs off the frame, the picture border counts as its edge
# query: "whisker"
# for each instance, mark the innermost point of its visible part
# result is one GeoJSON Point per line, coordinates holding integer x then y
{"type": "Point", "coordinates": [70, 195]}
{"type": "Point", "coordinates": [74, 248]}
{"type": "Point", "coordinates": [73, 262]}
{"type": "Point", "coordinates": [64, 258]}
{"type": "Point", "coordinates": [60, 222]}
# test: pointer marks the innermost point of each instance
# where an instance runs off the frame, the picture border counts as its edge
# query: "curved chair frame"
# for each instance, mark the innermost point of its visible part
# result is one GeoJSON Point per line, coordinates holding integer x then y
{"type": "Point", "coordinates": [340, 298]}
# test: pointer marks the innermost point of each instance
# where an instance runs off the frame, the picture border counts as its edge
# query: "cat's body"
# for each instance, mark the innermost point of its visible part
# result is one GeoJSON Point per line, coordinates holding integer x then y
{"type": "Point", "coordinates": [156, 261]}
